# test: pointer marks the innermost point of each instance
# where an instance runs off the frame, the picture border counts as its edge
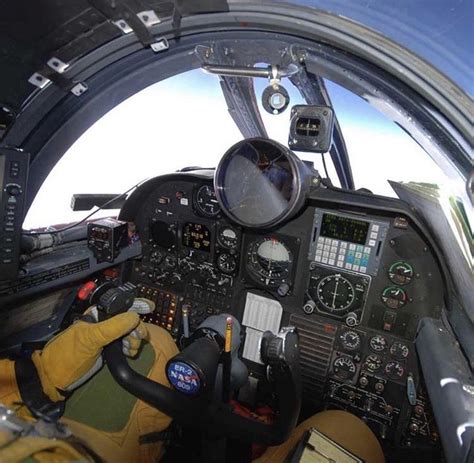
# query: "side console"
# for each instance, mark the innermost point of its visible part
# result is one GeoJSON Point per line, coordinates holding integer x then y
{"type": "Point", "coordinates": [13, 177]}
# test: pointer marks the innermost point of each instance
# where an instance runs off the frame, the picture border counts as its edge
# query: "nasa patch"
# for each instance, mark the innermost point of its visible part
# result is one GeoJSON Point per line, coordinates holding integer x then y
{"type": "Point", "coordinates": [184, 378]}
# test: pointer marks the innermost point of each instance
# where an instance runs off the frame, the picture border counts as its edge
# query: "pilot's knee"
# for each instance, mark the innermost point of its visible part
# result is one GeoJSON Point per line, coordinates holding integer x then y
{"type": "Point", "coordinates": [338, 428]}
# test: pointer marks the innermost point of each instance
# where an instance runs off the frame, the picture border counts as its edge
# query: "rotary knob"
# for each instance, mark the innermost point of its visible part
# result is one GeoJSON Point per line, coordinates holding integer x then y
{"type": "Point", "coordinates": [351, 319]}
{"type": "Point", "coordinates": [13, 189]}
{"type": "Point", "coordinates": [309, 307]}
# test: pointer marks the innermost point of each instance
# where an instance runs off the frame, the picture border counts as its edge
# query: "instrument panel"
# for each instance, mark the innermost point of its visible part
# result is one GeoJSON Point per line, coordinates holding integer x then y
{"type": "Point", "coordinates": [354, 280]}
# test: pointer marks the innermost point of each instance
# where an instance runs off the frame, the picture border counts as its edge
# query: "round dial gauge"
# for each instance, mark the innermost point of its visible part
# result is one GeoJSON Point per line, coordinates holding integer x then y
{"type": "Point", "coordinates": [378, 343]}
{"type": "Point", "coordinates": [206, 201]}
{"type": "Point", "coordinates": [394, 370]}
{"type": "Point", "coordinates": [170, 261]}
{"type": "Point", "coordinates": [335, 293]}
{"type": "Point", "coordinates": [156, 257]}
{"type": "Point", "coordinates": [400, 273]}
{"type": "Point", "coordinates": [350, 340]}
{"type": "Point", "coordinates": [344, 367]}
{"type": "Point", "coordinates": [373, 362]}
{"type": "Point", "coordinates": [226, 263]}
{"type": "Point", "coordinates": [394, 297]}
{"type": "Point", "coordinates": [227, 237]}
{"type": "Point", "coordinates": [269, 259]}
{"type": "Point", "coordinates": [399, 350]}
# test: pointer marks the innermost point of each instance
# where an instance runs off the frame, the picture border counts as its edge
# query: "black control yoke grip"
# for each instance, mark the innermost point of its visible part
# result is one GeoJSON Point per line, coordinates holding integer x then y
{"type": "Point", "coordinates": [207, 414]}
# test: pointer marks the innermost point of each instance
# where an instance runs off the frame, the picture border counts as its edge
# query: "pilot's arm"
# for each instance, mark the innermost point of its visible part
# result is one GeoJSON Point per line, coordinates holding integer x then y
{"type": "Point", "coordinates": [34, 386]}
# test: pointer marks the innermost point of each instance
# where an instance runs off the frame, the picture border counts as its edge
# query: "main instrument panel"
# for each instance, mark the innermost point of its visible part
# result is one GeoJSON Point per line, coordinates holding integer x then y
{"type": "Point", "coordinates": [355, 280]}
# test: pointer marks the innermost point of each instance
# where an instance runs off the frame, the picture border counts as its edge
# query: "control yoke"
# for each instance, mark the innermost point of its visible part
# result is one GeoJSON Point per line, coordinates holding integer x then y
{"type": "Point", "coordinates": [192, 400]}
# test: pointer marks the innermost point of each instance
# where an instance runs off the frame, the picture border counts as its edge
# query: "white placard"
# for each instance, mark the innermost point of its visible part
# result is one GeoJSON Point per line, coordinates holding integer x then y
{"type": "Point", "coordinates": [252, 345]}
{"type": "Point", "coordinates": [262, 313]}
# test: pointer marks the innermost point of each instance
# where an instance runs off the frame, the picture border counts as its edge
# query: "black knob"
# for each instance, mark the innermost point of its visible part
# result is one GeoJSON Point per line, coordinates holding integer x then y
{"type": "Point", "coordinates": [309, 307]}
{"type": "Point", "coordinates": [283, 289]}
{"type": "Point", "coordinates": [117, 300]}
{"type": "Point", "coordinates": [13, 189]}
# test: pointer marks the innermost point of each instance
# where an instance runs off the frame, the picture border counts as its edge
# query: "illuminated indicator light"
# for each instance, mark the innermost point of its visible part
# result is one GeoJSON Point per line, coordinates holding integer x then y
{"type": "Point", "coordinates": [111, 273]}
{"type": "Point", "coordinates": [329, 328]}
{"type": "Point", "coordinates": [86, 290]}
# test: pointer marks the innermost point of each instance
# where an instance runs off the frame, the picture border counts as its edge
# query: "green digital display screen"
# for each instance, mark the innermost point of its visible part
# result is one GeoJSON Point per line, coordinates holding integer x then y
{"type": "Point", "coordinates": [344, 229]}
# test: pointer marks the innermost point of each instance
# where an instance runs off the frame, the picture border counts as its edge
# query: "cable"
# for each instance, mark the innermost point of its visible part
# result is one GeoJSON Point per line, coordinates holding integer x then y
{"type": "Point", "coordinates": [325, 167]}
{"type": "Point", "coordinates": [85, 218]}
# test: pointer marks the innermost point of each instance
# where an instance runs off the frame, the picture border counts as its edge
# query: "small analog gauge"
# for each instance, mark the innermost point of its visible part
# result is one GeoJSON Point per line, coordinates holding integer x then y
{"type": "Point", "coordinates": [185, 266]}
{"type": "Point", "coordinates": [394, 370]}
{"type": "Point", "coordinates": [226, 263]}
{"type": "Point", "coordinates": [170, 261]}
{"type": "Point", "coordinates": [350, 340]}
{"type": "Point", "coordinates": [156, 257]}
{"type": "Point", "coordinates": [206, 201]}
{"type": "Point", "coordinates": [399, 350]}
{"type": "Point", "coordinates": [400, 273]}
{"type": "Point", "coordinates": [344, 367]}
{"type": "Point", "coordinates": [394, 297]}
{"type": "Point", "coordinates": [335, 293]}
{"type": "Point", "coordinates": [227, 237]}
{"type": "Point", "coordinates": [373, 362]}
{"type": "Point", "coordinates": [378, 343]}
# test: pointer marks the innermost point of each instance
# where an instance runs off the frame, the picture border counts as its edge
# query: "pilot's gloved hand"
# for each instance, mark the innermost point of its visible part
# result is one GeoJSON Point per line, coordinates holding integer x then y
{"type": "Point", "coordinates": [131, 343]}
{"type": "Point", "coordinates": [72, 357]}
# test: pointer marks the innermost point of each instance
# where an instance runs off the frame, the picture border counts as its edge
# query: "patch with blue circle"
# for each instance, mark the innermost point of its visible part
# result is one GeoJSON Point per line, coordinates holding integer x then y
{"type": "Point", "coordinates": [184, 378]}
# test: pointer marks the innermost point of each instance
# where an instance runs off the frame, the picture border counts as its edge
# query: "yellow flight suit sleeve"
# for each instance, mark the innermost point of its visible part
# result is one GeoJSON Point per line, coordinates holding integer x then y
{"type": "Point", "coordinates": [9, 394]}
{"type": "Point", "coordinates": [73, 353]}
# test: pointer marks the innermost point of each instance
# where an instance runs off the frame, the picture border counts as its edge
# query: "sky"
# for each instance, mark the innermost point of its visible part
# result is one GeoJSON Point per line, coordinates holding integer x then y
{"type": "Point", "coordinates": [183, 121]}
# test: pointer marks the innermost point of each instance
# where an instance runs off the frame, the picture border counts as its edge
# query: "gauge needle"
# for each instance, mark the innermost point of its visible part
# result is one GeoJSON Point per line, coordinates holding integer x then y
{"type": "Point", "coordinates": [335, 294]}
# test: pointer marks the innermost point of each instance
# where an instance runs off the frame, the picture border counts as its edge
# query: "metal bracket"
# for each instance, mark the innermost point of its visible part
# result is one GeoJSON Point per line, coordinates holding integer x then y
{"type": "Point", "coordinates": [57, 65]}
{"type": "Point", "coordinates": [161, 44]}
{"type": "Point", "coordinates": [39, 80]}
{"type": "Point", "coordinates": [275, 75]}
{"type": "Point", "coordinates": [123, 26]}
{"type": "Point", "coordinates": [79, 89]}
{"type": "Point", "coordinates": [148, 17]}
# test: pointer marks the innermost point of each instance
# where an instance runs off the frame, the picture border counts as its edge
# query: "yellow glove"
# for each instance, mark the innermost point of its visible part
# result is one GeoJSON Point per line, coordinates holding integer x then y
{"type": "Point", "coordinates": [72, 357]}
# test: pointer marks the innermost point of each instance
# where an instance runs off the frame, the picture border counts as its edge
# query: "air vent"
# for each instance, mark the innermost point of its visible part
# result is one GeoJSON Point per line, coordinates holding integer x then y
{"type": "Point", "coordinates": [316, 344]}
{"type": "Point", "coordinates": [308, 126]}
